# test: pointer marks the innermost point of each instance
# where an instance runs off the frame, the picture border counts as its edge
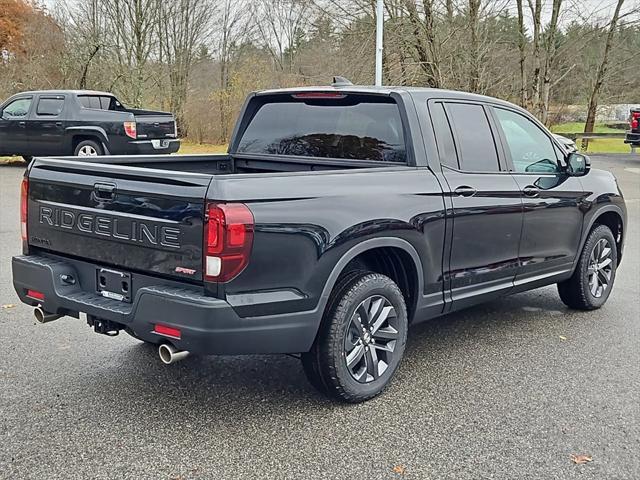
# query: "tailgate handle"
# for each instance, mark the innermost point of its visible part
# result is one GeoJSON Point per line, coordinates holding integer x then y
{"type": "Point", "coordinates": [104, 191]}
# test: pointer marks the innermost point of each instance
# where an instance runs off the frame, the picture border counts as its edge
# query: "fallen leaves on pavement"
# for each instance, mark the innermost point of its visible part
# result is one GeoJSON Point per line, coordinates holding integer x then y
{"type": "Point", "coordinates": [399, 469]}
{"type": "Point", "coordinates": [581, 459]}
{"type": "Point", "coordinates": [8, 305]}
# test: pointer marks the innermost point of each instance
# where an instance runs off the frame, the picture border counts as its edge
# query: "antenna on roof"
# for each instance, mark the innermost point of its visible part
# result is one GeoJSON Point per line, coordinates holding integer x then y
{"type": "Point", "coordinates": [340, 82]}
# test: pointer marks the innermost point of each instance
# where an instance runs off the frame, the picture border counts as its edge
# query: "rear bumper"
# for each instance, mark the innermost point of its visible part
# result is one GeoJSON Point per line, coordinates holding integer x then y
{"type": "Point", "coordinates": [149, 147]}
{"type": "Point", "coordinates": [633, 138]}
{"type": "Point", "coordinates": [208, 325]}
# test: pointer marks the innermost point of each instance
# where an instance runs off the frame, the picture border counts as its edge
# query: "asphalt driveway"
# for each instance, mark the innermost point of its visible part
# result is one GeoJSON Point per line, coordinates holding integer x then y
{"type": "Point", "coordinates": [506, 390]}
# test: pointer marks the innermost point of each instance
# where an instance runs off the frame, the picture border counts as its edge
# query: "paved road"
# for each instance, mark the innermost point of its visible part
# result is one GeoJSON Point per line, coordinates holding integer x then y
{"type": "Point", "coordinates": [506, 390]}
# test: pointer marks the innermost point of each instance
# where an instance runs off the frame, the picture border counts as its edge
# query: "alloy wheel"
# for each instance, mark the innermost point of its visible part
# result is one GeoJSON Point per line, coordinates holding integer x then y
{"type": "Point", "coordinates": [371, 338]}
{"type": "Point", "coordinates": [87, 151]}
{"type": "Point", "coordinates": [600, 268]}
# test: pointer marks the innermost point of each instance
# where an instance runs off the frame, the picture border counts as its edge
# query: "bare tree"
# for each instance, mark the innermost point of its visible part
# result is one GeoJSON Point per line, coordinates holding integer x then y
{"type": "Point", "coordinates": [425, 45]}
{"type": "Point", "coordinates": [232, 29]}
{"type": "Point", "coordinates": [133, 31]}
{"type": "Point", "coordinates": [474, 47]}
{"type": "Point", "coordinates": [522, 50]}
{"type": "Point", "coordinates": [601, 74]}
{"type": "Point", "coordinates": [185, 26]}
{"type": "Point", "coordinates": [280, 24]}
{"type": "Point", "coordinates": [536, 12]}
{"type": "Point", "coordinates": [550, 53]}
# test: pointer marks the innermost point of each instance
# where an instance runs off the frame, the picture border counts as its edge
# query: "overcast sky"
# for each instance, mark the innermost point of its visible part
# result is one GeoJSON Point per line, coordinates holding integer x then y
{"type": "Point", "coordinates": [599, 11]}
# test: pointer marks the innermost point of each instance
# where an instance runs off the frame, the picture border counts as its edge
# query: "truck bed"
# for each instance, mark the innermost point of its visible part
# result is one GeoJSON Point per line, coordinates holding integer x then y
{"type": "Point", "coordinates": [146, 213]}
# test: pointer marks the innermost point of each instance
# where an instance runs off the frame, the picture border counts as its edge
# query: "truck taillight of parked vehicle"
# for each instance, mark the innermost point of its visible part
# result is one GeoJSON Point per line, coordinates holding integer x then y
{"type": "Point", "coordinates": [130, 129]}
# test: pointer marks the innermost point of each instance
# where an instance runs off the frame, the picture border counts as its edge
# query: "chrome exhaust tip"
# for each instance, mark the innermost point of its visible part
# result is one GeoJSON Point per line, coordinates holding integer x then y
{"type": "Point", "coordinates": [44, 317]}
{"type": "Point", "coordinates": [169, 354]}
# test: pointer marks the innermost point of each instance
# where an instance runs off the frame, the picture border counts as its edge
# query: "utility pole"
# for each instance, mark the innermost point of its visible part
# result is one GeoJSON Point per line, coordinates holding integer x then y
{"type": "Point", "coordinates": [379, 38]}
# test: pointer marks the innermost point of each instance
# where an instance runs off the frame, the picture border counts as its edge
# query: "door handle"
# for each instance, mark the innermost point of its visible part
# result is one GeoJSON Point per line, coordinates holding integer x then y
{"type": "Point", "coordinates": [531, 191]}
{"type": "Point", "coordinates": [58, 124]}
{"type": "Point", "coordinates": [465, 191]}
{"type": "Point", "coordinates": [22, 124]}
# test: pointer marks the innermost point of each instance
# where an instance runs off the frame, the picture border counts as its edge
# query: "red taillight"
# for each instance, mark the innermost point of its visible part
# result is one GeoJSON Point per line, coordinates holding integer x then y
{"type": "Point", "coordinates": [35, 294]}
{"type": "Point", "coordinates": [24, 198]}
{"type": "Point", "coordinates": [317, 95]}
{"type": "Point", "coordinates": [167, 331]}
{"type": "Point", "coordinates": [228, 237]}
{"type": "Point", "coordinates": [635, 120]}
{"type": "Point", "coordinates": [130, 128]}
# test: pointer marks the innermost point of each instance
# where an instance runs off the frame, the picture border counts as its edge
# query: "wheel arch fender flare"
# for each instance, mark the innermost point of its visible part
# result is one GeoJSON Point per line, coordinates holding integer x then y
{"type": "Point", "coordinates": [95, 131]}
{"type": "Point", "coordinates": [592, 221]}
{"type": "Point", "coordinates": [362, 247]}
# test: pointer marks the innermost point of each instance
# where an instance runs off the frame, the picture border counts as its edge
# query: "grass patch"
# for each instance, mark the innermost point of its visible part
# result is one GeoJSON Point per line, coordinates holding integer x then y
{"type": "Point", "coordinates": [191, 148]}
{"type": "Point", "coordinates": [12, 161]}
{"type": "Point", "coordinates": [578, 127]}
{"type": "Point", "coordinates": [599, 145]}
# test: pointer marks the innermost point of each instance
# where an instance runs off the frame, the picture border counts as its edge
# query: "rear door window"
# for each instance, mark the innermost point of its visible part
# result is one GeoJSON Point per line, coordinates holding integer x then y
{"type": "Point", "coordinates": [50, 106]}
{"type": "Point", "coordinates": [355, 127]}
{"type": "Point", "coordinates": [474, 140]}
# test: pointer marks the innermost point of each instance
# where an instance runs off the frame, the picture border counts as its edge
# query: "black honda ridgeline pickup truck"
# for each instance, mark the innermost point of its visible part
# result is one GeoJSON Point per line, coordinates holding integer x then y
{"type": "Point", "coordinates": [81, 123]}
{"type": "Point", "coordinates": [340, 216]}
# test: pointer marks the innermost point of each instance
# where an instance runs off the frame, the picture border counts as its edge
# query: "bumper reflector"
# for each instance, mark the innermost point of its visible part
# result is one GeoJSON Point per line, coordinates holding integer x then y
{"type": "Point", "coordinates": [35, 294]}
{"type": "Point", "coordinates": [167, 331]}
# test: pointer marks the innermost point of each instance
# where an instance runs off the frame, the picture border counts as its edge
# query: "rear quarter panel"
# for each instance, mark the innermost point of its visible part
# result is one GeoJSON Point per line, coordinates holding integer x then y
{"type": "Point", "coordinates": [304, 224]}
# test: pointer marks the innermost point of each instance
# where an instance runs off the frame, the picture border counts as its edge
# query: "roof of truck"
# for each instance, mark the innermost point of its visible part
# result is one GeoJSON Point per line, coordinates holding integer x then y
{"type": "Point", "coordinates": [61, 92]}
{"type": "Point", "coordinates": [422, 92]}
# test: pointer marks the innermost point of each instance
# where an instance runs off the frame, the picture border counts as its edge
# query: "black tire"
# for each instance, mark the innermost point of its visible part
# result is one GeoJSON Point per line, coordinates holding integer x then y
{"type": "Point", "coordinates": [578, 291]}
{"type": "Point", "coordinates": [88, 148]}
{"type": "Point", "coordinates": [326, 364]}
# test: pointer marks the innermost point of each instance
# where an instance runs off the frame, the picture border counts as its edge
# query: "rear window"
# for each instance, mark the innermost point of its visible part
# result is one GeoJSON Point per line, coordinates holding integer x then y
{"type": "Point", "coordinates": [352, 128]}
{"type": "Point", "coordinates": [50, 106]}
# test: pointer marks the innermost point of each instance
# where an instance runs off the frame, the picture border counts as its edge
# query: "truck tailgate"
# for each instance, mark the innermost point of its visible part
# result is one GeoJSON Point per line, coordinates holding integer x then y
{"type": "Point", "coordinates": [133, 219]}
{"type": "Point", "coordinates": [154, 125]}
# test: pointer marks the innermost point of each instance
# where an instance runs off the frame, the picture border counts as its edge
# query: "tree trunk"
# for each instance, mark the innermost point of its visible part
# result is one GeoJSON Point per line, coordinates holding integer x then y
{"type": "Point", "coordinates": [474, 70]}
{"type": "Point", "coordinates": [550, 54]}
{"type": "Point", "coordinates": [536, 12]}
{"type": "Point", "coordinates": [600, 76]}
{"type": "Point", "coordinates": [522, 48]}
{"type": "Point", "coordinates": [424, 41]}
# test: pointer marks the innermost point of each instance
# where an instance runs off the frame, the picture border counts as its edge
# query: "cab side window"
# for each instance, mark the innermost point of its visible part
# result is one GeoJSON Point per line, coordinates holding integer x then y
{"type": "Point", "coordinates": [531, 149]}
{"type": "Point", "coordinates": [17, 109]}
{"type": "Point", "coordinates": [444, 139]}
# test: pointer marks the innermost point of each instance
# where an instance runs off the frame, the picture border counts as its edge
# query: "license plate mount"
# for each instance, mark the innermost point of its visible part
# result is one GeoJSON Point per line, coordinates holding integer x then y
{"type": "Point", "coordinates": [114, 284]}
{"type": "Point", "coordinates": [157, 144]}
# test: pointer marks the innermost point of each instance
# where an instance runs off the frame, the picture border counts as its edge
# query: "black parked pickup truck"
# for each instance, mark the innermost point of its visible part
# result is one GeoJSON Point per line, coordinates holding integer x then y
{"type": "Point", "coordinates": [340, 216]}
{"type": "Point", "coordinates": [82, 123]}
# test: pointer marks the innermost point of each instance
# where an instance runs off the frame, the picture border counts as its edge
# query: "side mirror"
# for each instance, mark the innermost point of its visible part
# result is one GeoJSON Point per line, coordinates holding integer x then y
{"type": "Point", "coordinates": [578, 164]}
